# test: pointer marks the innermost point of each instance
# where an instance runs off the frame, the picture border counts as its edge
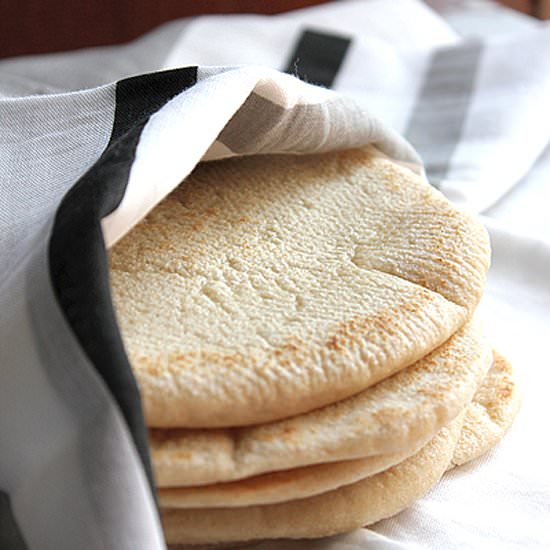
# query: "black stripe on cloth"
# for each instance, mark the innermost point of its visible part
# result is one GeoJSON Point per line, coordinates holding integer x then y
{"type": "Point", "coordinates": [10, 535]}
{"type": "Point", "coordinates": [438, 118]}
{"type": "Point", "coordinates": [78, 262]}
{"type": "Point", "coordinates": [317, 57]}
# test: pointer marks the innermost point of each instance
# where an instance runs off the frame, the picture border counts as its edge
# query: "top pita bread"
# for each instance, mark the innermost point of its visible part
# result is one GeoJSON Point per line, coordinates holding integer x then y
{"type": "Point", "coordinates": [268, 286]}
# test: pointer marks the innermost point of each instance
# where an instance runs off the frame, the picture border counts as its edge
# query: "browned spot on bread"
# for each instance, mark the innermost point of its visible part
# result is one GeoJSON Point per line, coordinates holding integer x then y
{"type": "Point", "coordinates": [288, 431]}
{"type": "Point", "coordinates": [505, 392]}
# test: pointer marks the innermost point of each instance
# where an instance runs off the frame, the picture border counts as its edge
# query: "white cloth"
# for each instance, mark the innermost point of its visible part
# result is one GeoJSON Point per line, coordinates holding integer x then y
{"type": "Point", "coordinates": [477, 112]}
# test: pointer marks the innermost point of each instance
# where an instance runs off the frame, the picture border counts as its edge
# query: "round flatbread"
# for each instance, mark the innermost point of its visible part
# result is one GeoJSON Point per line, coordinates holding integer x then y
{"type": "Point", "coordinates": [491, 413]}
{"type": "Point", "coordinates": [280, 486]}
{"type": "Point", "coordinates": [344, 509]}
{"type": "Point", "coordinates": [269, 286]}
{"type": "Point", "coordinates": [486, 419]}
{"type": "Point", "coordinates": [396, 414]}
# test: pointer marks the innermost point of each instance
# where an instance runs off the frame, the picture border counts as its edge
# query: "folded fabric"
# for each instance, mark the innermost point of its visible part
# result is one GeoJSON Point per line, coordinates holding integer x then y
{"type": "Point", "coordinates": [472, 108]}
{"type": "Point", "coordinates": [92, 164]}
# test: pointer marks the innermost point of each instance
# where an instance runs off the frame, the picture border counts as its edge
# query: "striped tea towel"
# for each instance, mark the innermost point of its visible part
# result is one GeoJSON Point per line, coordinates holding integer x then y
{"type": "Point", "coordinates": [476, 110]}
{"type": "Point", "coordinates": [79, 169]}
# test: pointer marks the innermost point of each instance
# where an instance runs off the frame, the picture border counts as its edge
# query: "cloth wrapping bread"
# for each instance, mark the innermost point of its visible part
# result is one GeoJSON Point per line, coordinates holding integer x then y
{"type": "Point", "coordinates": [56, 384]}
{"type": "Point", "coordinates": [57, 312]}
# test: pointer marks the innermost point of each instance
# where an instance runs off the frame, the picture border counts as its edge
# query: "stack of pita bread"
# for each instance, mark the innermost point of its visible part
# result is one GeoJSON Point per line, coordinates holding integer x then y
{"type": "Point", "coordinates": [303, 332]}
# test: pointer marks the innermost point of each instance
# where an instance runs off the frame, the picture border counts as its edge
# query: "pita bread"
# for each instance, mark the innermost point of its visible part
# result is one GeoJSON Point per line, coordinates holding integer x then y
{"type": "Point", "coordinates": [280, 486]}
{"type": "Point", "coordinates": [486, 419]}
{"type": "Point", "coordinates": [269, 286]}
{"type": "Point", "coordinates": [396, 414]}
{"type": "Point", "coordinates": [344, 509]}
{"type": "Point", "coordinates": [491, 413]}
